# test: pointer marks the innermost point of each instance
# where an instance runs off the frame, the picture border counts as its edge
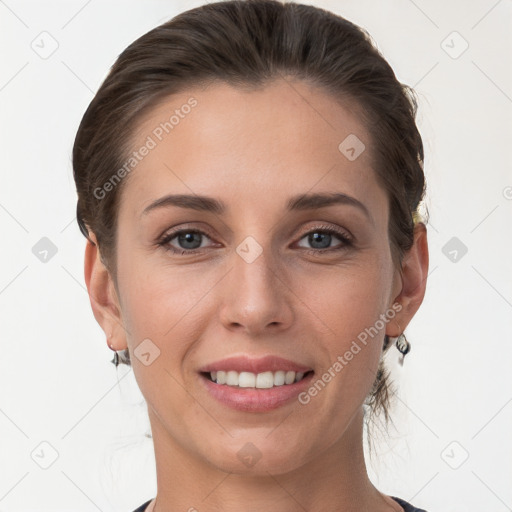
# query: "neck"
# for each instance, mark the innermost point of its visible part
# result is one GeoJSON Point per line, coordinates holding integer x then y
{"type": "Point", "coordinates": [335, 480]}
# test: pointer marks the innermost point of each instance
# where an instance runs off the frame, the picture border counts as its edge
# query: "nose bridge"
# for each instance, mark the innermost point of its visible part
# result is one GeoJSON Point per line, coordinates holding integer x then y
{"type": "Point", "coordinates": [255, 267]}
{"type": "Point", "coordinates": [256, 297]}
{"type": "Point", "coordinates": [253, 260]}
{"type": "Point", "coordinates": [254, 271]}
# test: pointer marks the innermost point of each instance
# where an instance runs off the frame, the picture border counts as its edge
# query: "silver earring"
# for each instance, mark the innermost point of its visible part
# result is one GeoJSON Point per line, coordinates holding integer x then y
{"type": "Point", "coordinates": [403, 346]}
{"type": "Point", "coordinates": [115, 359]}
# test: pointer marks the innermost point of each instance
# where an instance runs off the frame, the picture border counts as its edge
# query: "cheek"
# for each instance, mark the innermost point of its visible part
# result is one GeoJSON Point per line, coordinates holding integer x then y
{"type": "Point", "coordinates": [159, 304]}
{"type": "Point", "coordinates": [165, 306]}
{"type": "Point", "coordinates": [352, 305]}
{"type": "Point", "coordinates": [169, 304]}
{"type": "Point", "coordinates": [350, 298]}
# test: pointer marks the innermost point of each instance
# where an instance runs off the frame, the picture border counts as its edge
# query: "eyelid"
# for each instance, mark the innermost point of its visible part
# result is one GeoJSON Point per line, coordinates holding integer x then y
{"type": "Point", "coordinates": [183, 227]}
{"type": "Point", "coordinates": [330, 228]}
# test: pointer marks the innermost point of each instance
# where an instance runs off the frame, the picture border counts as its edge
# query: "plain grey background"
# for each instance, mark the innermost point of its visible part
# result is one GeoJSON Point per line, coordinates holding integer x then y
{"type": "Point", "coordinates": [73, 429]}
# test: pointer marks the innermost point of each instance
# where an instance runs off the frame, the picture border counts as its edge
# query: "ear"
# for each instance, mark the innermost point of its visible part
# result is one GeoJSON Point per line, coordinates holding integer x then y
{"type": "Point", "coordinates": [414, 281]}
{"type": "Point", "coordinates": [103, 296]}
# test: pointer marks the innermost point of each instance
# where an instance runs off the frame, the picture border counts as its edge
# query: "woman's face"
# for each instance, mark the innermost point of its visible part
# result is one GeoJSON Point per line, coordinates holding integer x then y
{"type": "Point", "coordinates": [254, 280]}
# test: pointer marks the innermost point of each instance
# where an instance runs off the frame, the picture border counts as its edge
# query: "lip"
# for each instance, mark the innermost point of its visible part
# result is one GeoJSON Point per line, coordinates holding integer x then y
{"type": "Point", "coordinates": [255, 365]}
{"type": "Point", "coordinates": [256, 400]}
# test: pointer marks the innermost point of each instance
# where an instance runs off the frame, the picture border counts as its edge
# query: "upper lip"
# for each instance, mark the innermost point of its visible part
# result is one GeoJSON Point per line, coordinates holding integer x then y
{"type": "Point", "coordinates": [255, 365]}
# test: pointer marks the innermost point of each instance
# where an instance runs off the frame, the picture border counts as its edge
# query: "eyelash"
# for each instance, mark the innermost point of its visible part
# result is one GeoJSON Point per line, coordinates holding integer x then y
{"type": "Point", "coordinates": [347, 241]}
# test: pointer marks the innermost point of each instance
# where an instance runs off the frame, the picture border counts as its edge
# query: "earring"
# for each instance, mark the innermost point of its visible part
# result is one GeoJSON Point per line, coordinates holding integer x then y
{"type": "Point", "coordinates": [403, 346]}
{"type": "Point", "coordinates": [115, 359]}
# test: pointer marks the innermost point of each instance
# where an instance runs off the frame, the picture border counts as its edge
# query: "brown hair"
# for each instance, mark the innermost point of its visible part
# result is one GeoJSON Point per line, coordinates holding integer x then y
{"type": "Point", "coordinates": [248, 43]}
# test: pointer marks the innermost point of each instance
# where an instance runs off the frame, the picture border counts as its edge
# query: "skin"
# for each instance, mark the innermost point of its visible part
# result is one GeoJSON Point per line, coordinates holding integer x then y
{"type": "Point", "coordinates": [253, 150]}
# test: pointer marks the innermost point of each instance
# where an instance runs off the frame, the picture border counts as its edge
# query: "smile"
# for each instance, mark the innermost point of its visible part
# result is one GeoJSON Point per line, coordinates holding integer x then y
{"type": "Point", "coordinates": [263, 380]}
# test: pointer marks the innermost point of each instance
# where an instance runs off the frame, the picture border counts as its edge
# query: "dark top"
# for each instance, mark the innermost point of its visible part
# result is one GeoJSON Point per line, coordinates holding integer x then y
{"type": "Point", "coordinates": [406, 506]}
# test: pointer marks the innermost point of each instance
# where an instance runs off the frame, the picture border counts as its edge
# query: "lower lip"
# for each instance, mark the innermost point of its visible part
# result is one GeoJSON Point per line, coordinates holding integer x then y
{"type": "Point", "coordinates": [253, 399]}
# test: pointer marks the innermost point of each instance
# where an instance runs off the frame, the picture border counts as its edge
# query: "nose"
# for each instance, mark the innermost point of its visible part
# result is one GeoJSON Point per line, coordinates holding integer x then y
{"type": "Point", "coordinates": [257, 297]}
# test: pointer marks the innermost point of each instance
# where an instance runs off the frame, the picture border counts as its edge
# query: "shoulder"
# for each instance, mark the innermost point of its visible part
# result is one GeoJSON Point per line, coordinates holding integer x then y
{"type": "Point", "coordinates": [142, 508]}
{"type": "Point", "coordinates": [407, 506]}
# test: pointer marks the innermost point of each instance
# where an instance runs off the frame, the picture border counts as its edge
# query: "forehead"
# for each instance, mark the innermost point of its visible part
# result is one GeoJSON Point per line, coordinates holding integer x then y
{"type": "Point", "coordinates": [257, 146]}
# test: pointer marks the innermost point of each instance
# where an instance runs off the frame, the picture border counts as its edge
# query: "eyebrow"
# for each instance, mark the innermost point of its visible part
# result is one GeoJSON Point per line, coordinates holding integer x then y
{"type": "Point", "coordinates": [299, 202]}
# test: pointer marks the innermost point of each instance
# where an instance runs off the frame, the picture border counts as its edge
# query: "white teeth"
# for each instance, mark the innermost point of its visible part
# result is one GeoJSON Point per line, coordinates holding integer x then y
{"type": "Point", "coordinates": [246, 380]}
{"type": "Point", "coordinates": [289, 377]}
{"type": "Point", "coordinates": [279, 378]}
{"type": "Point", "coordinates": [262, 380]}
{"type": "Point", "coordinates": [232, 378]}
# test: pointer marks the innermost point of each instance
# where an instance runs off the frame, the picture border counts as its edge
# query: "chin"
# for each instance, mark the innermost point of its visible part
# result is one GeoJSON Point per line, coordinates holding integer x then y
{"type": "Point", "coordinates": [257, 455]}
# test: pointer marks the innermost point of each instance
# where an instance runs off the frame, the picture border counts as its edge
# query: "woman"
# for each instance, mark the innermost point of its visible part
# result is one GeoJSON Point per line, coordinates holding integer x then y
{"type": "Point", "coordinates": [249, 176]}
